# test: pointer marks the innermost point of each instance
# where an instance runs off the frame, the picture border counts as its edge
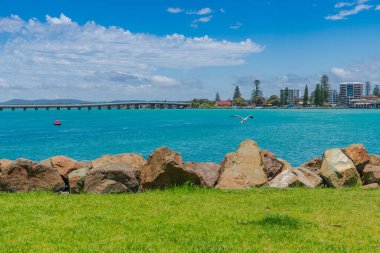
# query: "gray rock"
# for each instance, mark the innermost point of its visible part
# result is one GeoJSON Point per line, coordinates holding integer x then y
{"type": "Point", "coordinates": [338, 170]}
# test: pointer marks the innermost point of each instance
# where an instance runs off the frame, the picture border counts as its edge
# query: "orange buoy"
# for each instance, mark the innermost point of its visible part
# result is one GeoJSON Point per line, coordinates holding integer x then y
{"type": "Point", "coordinates": [57, 123]}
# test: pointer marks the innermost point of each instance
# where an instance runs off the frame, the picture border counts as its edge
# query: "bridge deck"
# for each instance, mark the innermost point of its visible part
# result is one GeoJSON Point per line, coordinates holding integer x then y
{"type": "Point", "coordinates": [121, 105]}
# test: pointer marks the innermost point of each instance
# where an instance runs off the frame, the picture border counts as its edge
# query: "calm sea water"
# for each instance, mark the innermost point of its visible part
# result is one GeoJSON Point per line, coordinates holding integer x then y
{"type": "Point", "coordinates": [200, 135]}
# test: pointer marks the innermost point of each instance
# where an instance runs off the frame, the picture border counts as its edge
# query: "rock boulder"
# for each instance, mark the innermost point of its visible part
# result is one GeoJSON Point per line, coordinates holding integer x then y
{"type": "Point", "coordinates": [24, 175]}
{"type": "Point", "coordinates": [207, 172]}
{"type": "Point", "coordinates": [313, 165]}
{"type": "Point", "coordinates": [296, 177]}
{"type": "Point", "coordinates": [112, 174]}
{"type": "Point", "coordinates": [338, 170]}
{"type": "Point", "coordinates": [374, 160]}
{"type": "Point", "coordinates": [76, 180]}
{"type": "Point", "coordinates": [4, 163]}
{"type": "Point", "coordinates": [358, 155]}
{"type": "Point", "coordinates": [272, 166]}
{"type": "Point", "coordinates": [371, 174]}
{"type": "Point", "coordinates": [243, 168]}
{"type": "Point", "coordinates": [165, 168]}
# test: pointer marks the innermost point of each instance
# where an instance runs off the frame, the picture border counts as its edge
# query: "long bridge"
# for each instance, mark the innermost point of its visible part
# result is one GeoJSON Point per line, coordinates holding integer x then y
{"type": "Point", "coordinates": [100, 106]}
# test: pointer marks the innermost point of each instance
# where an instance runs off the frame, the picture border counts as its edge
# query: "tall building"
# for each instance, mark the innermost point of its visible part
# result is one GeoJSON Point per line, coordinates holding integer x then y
{"type": "Point", "coordinates": [376, 90]}
{"type": "Point", "coordinates": [333, 97]}
{"type": "Point", "coordinates": [349, 91]}
{"type": "Point", "coordinates": [367, 88]}
{"type": "Point", "coordinates": [292, 95]}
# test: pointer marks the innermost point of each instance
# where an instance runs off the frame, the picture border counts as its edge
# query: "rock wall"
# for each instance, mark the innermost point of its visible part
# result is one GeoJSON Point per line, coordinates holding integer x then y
{"type": "Point", "coordinates": [248, 167]}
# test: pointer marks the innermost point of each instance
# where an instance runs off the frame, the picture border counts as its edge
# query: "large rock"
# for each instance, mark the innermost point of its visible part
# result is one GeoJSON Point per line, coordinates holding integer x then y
{"type": "Point", "coordinates": [24, 175]}
{"type": "Point", "coordinates": [133, 160]}
{"type": "Point", "coordinates": [374, 160]}
{"type": "Point", "coordinates": [296, 177]}
{"type": "Point", "coordinates": [371, 186]}
{"type": "Point", "coordinates": [358, 155]}
{"type": "Point", "coordinates": [64, 165]}
{"type": "Point", "coordinates": [272, 166]}
{"type": "Point", "coordinates": [4, 163]}
{"type": "Point", "coordinates": [371, 174]}
{"type": "Point", "coordinates": [243, 168]}
{"type": "Point", "coordinates": [76, 180]}
{"type": "Point", "coordinates": [207, 172]}
{"type": "Point", "coordinates": [338, 170]}
{"type": "Point", "coordinates": [313, 165]}
{"type": "Point", "coordinates": [112, 174]}
{"type": "Point", "coordinates": [165, 168]}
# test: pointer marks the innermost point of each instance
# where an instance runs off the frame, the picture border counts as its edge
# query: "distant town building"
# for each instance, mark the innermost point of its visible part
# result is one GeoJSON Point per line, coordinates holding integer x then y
{"type": "Point", "coordinates": [350, 91]}
{"type": "Point", "coordinates": [333, 97]}
{"type": "Point", "coordinates": [367, 88]}
{"type": "Point", "coordinates": [292, 95]}
{"type": "Point", "coordinates": [376, 90]}
{"type": "Point", "coordinates": [371, 102]}
{"type": "Point", "coordinates": [223, 103]}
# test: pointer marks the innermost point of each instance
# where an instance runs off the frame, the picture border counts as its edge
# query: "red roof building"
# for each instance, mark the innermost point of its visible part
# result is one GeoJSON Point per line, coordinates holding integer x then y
{"type": "Point", "coordinates": [223, 103]}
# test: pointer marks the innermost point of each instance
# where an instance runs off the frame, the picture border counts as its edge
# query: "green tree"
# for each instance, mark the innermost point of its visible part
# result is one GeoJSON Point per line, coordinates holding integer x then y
{"type": "Point", "coordinates": [240, 101]}
{"type": "Point", "coordinates": [256, 92]}
{"type": "Point", "coordinates": [273, 101]}
{"type": "Point", "coordinates": [306, 96]}
{"type": "Point", "coordinates": [286, 95]}
{"type": "Point", "coordinates": [325, 86]}
{"type": "Point", "coordinates": [237, 93]}
{"type": "Point", "coordinates": [217, 97]}
{"type": "Point", "coordinates": [318, 95]}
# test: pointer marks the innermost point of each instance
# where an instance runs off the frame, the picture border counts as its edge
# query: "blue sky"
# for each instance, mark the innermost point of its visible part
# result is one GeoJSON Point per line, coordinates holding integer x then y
{"type": "Point", "coordinates": [180, 49]}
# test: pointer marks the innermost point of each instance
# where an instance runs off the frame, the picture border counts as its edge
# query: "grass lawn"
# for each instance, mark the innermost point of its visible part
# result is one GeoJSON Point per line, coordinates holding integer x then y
{"type": "Point", "coordinates": [190, 219]}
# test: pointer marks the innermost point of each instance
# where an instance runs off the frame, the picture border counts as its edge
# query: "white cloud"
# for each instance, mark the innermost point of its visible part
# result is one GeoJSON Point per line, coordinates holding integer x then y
{"type": "Point", "coordinates": [203, 11]}
{"type": "Point", "coordinates": [11, 24]}
{"type": "Point", "coordinates": [204, 19]}
{"type": "Point", "coordinates": [365, 70]}
{"type": "Point", "coordinates": [344, 13]}
{"type": "Point", "coordinates": [343, 4]}
{"type": "Point", "coordinates": [377, 8]}
{"type": "Point", "coordinates": [174, 10]}
{"type": "Point", "coordinates": [59, 57]}
{"type": "Point", "coordinates": [236, 26]}
{"type": "Point", "coordinates": [341, 73]}
{"type": "Point", "coordinates": [195, 22]}
{"type": "Point", "coordinates": [62, 20]}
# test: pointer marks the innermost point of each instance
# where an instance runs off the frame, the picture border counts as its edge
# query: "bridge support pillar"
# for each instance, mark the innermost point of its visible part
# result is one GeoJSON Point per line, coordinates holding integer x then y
{"type": "Point", "coordinates": [89, 108]}
{"type": "Point", "coordinates": [137, 106]}
{"type": "Point", "coordinates": [109, 107]}
{"type": "Point", "coordinates": [99, 107]}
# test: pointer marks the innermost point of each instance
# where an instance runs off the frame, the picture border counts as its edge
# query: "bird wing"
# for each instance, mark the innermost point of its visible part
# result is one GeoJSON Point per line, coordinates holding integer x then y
{"type": "Point", "coordinates": [237, 116]}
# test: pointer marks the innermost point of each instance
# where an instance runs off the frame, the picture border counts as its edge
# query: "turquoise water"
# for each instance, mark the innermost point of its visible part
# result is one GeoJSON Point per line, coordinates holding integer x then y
{"type": "Point", "coordinates": [200, 135]}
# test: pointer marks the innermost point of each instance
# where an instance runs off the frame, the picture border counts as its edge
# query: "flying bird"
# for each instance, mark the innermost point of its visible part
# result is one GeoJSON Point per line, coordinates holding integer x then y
{"type": "Point", "coordinates": [243, 120]}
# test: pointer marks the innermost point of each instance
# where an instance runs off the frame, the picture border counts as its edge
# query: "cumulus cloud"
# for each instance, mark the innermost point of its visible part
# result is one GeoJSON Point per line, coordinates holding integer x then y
{"type": "Point", "coordinates": [59, 55]}
{"type": "Point", "coordinates": [341, 73]}
{"type": "Point", "coordinates": [174, 10]}
{"type": "Point", "coordinates": [343, 14]}
{"type": "Point", "coordinates": [365, 70]}
{"type": "Point", "coordinates": [58, 21]}
{"type": "Point", "coordinates": [11, 24]}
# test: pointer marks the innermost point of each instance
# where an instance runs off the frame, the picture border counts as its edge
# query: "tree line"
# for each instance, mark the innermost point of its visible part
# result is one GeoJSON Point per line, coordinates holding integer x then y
{"type": "Point", "coordinates": [318, 97]}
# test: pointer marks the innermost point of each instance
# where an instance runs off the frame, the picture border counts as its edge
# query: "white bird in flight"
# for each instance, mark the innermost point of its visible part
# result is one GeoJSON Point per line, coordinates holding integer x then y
{"type": "Point", "coordinates": [243, 120]}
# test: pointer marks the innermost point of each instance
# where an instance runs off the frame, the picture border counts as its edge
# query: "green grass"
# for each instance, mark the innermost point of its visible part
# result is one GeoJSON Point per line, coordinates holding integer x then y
{"type": "Point", "coordinates": [193, 220]}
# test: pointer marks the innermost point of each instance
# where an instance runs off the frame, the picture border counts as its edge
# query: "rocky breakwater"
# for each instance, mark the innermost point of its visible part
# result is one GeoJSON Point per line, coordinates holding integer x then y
{"type": "Point", "coordinates": [247, 167]}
